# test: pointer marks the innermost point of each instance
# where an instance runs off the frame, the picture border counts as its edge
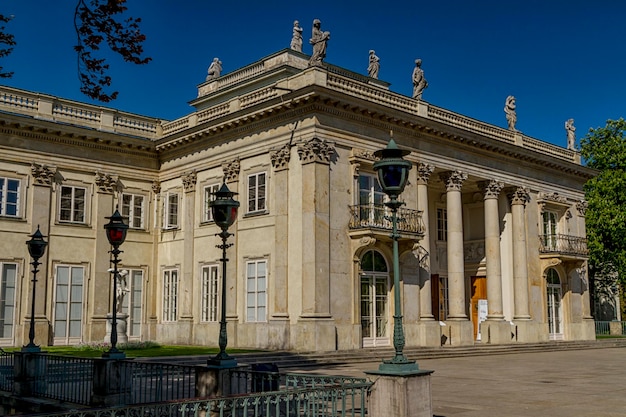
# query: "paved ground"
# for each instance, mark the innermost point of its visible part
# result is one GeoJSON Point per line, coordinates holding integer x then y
{"type": "Point", "coordinates": [581, 383]}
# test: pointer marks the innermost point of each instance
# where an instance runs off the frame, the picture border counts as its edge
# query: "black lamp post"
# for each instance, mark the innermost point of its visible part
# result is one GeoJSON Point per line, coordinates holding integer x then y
{"type": "Point", "coordinates": [116, 233]}
{"type": "Point", "coordinates": [224, 210]}
{"type": "Point", "coordinates": [392, 171]}
{"type": "Point", "coordinates": [36, 248]}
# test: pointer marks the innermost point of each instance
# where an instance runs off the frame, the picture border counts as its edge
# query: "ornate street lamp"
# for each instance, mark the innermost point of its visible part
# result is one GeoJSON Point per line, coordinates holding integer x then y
{"type": "Point", "coordinates": [116, 234]}
{"type": "Point", "coordinates": [392, 171]}
{"type": "Point", "coordinates": [36, 248]}
{"type": "Point", "coordinates": [224, 210]}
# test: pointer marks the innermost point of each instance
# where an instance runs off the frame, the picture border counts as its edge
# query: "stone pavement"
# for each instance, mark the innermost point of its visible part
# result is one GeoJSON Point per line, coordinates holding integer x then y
{"type": "Point", "coordinates": [580, 383]}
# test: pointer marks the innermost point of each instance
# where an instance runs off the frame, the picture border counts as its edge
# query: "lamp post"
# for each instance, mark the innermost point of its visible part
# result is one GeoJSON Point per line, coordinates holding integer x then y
{"type": "Point", "coordinates": [36, 249]}
{"type": "Point", "coordinates": [392, 171]}
{"type": "Point", "coordinates": [116, 234]}
{"type": "Point", "coordinates": [224, 210]}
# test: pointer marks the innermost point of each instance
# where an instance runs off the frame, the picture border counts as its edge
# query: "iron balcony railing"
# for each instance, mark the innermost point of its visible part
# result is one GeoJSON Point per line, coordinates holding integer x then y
{"type": "Point", "coordinates": [563, 244]}
{"type": "Point", "coordinates": [379, 217]}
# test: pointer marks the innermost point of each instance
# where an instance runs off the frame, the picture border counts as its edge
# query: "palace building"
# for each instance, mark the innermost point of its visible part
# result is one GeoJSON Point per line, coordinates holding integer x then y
{"type": "Point", "coordinates": [492, 233]}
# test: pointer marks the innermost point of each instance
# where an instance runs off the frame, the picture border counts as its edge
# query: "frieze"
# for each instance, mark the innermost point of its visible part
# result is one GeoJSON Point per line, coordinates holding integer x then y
{"type": "Point", "coordinates": [315, 150]}
{"type": "Point", "coordinates": [43, 174]}
{"type": "Point", "coordinates": [453, 179]}
{"type": "Point", "coordinates": [231, 170]}
{"type": "Point", "coordinates": [106, 183]}
{"type": "Point", "coordinates": [189, 181]}
{"type": "Point", "coordinates": [280, 157]}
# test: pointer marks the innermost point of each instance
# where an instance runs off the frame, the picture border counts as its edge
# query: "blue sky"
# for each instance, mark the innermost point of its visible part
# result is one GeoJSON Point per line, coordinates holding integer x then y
{"type": "Point", "coordinates": [560, 59]}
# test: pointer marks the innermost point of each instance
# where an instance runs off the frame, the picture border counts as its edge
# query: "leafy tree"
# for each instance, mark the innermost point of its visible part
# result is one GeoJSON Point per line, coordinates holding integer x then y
{"type": "Point", "coordinates": [95, 22]}
{"type": "Point", "coordinates": [604, 149]}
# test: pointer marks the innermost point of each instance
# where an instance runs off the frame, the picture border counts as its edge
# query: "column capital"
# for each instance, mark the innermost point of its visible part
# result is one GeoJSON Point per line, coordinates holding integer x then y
{"type": "Point", "coordinates": [491, 188]}
{"type": "Point", "coordinates": [189, 181]}
{"type": "Point", "coordinates": [106, 183]}
{"type": "Point", "coordinates": [280, 157]}
{"type": "Point", "coordinates": [315, 150]}
{"type": "Point", "coordinates": [424, 171]}
{"type": "Point", "coordinates": [581, 207]}
{"type": "Point", "coordinates": [43, 174]}
{"type": "Point", "coordinates": [518, 195]}
{"type": "Point", "coordinates": [453, 179]}
{"type": "Point", "coordinates": [231, 170]}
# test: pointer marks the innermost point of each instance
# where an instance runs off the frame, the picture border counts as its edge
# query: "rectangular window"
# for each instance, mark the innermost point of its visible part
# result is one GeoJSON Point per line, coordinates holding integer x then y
{"type": "Point", "coordinates": [7, 299]}
{"type": "Point", "coordinates": [9, 197]}
{"type": "Point", "coordinates": [256, 291]}
{"type": "Point", "coordinates": [68, 304]}
{"type": "Point", "coordinates": [170, 211]}
{"type": "Point", "coordinates": [209, 293]}
{"type": "Point", "coordinates": [550, 230]}
{"type": "Point", "coordinates": [256, 192]}
{"type": "Point", "coordinates": [443, 298]}
{"type": "Point", "coordinates": [132, 285]}
{"type": "Point", "coordinates": [442, 224]}
{"type": "Point", "coordinates": [209, 196]}
{"type": "Point", "coordinates": [72, 205]}
{"type": "Point", "coordinates": [132, 207]}
{"type": "Point", "coordinates": [170, 295]}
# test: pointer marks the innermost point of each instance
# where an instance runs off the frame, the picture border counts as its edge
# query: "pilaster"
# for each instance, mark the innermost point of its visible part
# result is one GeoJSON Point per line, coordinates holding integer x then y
{"type": "Point", "coordinates": [186, 289]}
{"type": "Point", "coordinates": [426, 308]}
{"type": "Point", "coordinates": [519, 197]}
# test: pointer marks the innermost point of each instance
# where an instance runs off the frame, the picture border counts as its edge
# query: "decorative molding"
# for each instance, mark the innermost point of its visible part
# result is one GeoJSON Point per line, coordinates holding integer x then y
{"type": "Point", "coordinates": [474, 252]}
{"type": "Point", "coordinates": [280, 157]}
{"type": "Point", "coordinates": [519, 195]}
{"type": "Point", "coordinates": [43, 174]}
{"type": "Point", "coordinates": [424, 171]}
{"type": "Point", "coordinates": [189, 181]}
{"type": "Point", "coordinates": [363, 154]}
{"type": "Point", "coordinates": [552, 197]}
{"type": "Point", "coordinates": [453, 179]}
{"type": "Point", "coordinates": [156, 187]}
{"type": "Point", "coordinates": [106, 183]}
{"type": "Point", "coordinates": [422, 255]}
{"type": "Point", "coordinates": [315, 150]}
{"type": "Point", "coordinates": [231, 170]}
{"type": "Point", "coordinates": [491, 189]}
{"type": "Point", "coordinates": [363, 242]}
{"type": "Point", "coordinates": [581, 207]}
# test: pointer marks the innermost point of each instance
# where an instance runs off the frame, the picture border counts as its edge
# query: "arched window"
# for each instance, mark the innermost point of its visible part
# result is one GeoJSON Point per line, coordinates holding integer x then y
{"type": "Point", "coordinates": [554, 304]}
{"type": "Point", "coordinates": [374, 278]}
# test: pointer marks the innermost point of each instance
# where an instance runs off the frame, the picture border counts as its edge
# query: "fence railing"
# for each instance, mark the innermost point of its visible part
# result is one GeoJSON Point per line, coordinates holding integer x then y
{"type": "Point", "coordinates": [7, 370]}
{"type": "Point", "coordinates": [566, 244]}
{"type": "Point", "coordinates": [610, 328]}
{"type": "Point", "coordinates": [379, 217]}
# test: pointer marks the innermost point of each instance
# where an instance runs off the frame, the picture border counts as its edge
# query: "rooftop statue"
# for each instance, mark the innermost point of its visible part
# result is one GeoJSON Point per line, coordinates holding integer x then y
{"type": "Point", "coordinates": [419, 81]}
{"type": "Point", "coordinates": [374, 65]}
{"type": "Point", "coordinates": [318, 40]}
{"type": "Point", "coordinates": [571, 134]}
{"type": "Point", "coordinates": [296, 39]}
{"type": "Point", "coordinates": [509, 110]}
{"type": "Point", "coordinates": [215, 69]}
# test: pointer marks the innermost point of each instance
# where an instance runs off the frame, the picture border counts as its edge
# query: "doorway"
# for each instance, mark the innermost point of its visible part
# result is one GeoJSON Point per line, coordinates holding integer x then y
{"type": "Point", "coordinates": [479, 292]}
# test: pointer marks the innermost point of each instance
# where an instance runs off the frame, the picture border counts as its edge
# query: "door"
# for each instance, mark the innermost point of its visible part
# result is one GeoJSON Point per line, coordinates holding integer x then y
{"type": "Point", "coordinates": [554, 305]}
{"type": "Point", "coordinates": [68, 305]}
{"type": "Point", "coordinates": [479, 292]}
{"type": "Point", "coordinates": [374, 299]}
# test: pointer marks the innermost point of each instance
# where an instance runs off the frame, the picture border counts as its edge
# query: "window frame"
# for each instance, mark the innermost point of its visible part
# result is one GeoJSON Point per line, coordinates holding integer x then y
{"type": "Point", "coordinates": [257, 316]}
{"type": "Point", "coordinates": [441, 220]}
{"type": "Point", "coordinates": [209, 293]}
{"type": "Point", "coordinates": [170, 295]}
{"type": "Point", "coordinates": [132, 207]}
{"type": "Point", "coordinates": [131, 305]}
{"type": "Point", "coordinates": [67, 338]}
{"type": "Point", "coordinates": [167, 208]}
{"type": "Point", "coordinates": [72, 208]}
{"type": "Point", "coordinates": [208, 190]}
{"type": "Point", "coordinates": [4, 194]}
{"type": "Point", "coordinates": [256, 209]}
{"type": "Point", "coordinates": [3, 299]}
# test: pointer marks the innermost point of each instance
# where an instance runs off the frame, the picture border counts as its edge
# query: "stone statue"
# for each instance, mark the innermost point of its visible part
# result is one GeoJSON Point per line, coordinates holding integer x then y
{"type": "Point", "coordinates": [419, 81]}
{"type": "Point", "coordinates": [571, 134]}
{"type": "Point", "coordinates": [215, 69]}
{"type": "Point", "coordinates": [296, 39]}
{"type": "Point", "coordinates": [509, 110]}
{"type": "Point", "coordinates": [318, 40]}
{"type": "Point", "coordinates": [122, 289]}
{"type": "Point", "coordinates": [374, 65]}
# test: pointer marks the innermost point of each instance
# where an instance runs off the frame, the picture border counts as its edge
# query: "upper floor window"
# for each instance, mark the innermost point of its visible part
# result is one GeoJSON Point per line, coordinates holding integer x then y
{"type": "Point", "coordinates": [72, 204]}
{"type": "Point", "coordinates": [442, 224]}
{"type": "Point", "coordinates": [133, 208]}
{"type": "Point", "coordinates": [9, 197]}
{"type": "Point", "coordinates": [256, 192]}
{"type": "Point", "coordinates": [209, 195]}
{"type": "Point", "coordinates": [171, 206]}
{"type": "Point", "coordinates": [370, 192]}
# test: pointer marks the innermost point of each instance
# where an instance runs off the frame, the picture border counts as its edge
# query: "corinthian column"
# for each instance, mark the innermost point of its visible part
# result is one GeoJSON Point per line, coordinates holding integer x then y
{"type": "Point", "coordinates": [426, 306]}
{"type": "Point", "coordinates": [491, 190]}
{"type": "Point", "coordinates": [456, 266]}
{"type": "Point", "coordinates": [519, 197]}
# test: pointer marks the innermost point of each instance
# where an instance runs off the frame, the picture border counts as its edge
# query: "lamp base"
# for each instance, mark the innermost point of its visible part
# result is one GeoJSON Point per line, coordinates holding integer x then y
{"type": "Point", "coordinates": [222, 361]}
{"type": "Point", "coordinates": [398, 367]}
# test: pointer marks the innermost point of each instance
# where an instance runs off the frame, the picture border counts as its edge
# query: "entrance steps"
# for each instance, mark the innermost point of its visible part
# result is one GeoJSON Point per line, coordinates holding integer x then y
{"type": "Point", "coordinates": [286, 359]}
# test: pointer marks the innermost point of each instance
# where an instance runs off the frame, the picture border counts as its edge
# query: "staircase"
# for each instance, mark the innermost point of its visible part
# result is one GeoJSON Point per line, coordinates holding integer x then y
{"type": "Point", "coordinates": [285, 359]}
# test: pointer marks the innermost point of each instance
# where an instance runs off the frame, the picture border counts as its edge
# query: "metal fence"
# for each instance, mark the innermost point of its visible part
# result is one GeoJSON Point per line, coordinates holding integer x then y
{"type": "Point", "coordinates": [610, 328]}
{"type": "Point", "coordinates": [7, 370]}
{"type": "Point", "coordinates": [63, 378]}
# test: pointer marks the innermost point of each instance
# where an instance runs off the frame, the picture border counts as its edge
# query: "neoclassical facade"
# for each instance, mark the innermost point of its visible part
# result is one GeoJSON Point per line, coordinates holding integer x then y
{"type": "Point", "coordinates": [492, 246]}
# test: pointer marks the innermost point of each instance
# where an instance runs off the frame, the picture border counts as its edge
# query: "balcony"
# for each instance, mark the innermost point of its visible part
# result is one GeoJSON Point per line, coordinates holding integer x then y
{"type": "Point", "coordinates": [378, 218]}
{"type": "Point", "coordinates": [563, 245]}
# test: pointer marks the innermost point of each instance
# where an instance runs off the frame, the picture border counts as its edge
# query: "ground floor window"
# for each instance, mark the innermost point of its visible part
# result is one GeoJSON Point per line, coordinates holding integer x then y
{"type": "Point", "coordinates": [209, 293]}
{"type": "Point", "coordinates": [554, 305]}
{"type": "Point", "coordinates": [256, 291]}
{"type": "Point", "coordinates": [132, 284]}
{"type": "Point", "coordinates": [7, 299]}
{"type": "Point", "coordinates": [170, 294]}
{"type": "Point", "coordinates": [68, 304]}
{"type": "Point", "coordinates": [374, 281]}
